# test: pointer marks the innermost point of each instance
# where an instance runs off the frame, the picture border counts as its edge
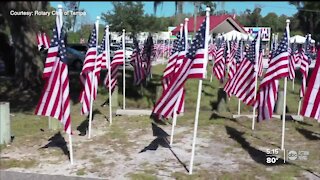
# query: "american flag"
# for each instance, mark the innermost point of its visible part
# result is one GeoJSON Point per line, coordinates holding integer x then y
{"type": "Point", "coordinates": [51, 57]}
{"type": "Point", "coordinates": [232, 52]}
{"type": "Point", "coordinates": [116, 62]}
{"type": "Point", "coordinates": [86, 75]}
{"type": "Point", "coordinates": [43, 41]}
{"type": "Point", "coordinates": [243, 83]}
{"type": "Point", "coordinates": [311, 102]}
{"type": "Point", "coordinates": [136, 62]}
{"type": "Point", "coordinates": [212, 50]}
{"type": "Point", "coordinates": [219, 63]}
{"type": "Point", "coordinates": [278, 68]}
{"type": "Point", "coordinates": [102, 53]}
{"type": "Point", "coordinates": [148, 55]}
{"type": "Point", "coordinates": [294, 59]}
{"type": "Point", "coordinates": [239, 54]}
{"type": "Point", "coordinates": [193, 66]}
{"type": "Point", "coordinates": [173, 68]}
{"type": "Point", "coordinates": [260, 62]}
{"type": "Point", "coordinates": [273, 48]}
{"type": "Point", "coordinates": [169, 70]}
{"type": "Point", "coordinates": [304, 66]}
{"type": "Point", "coordinates": [231, 59]}
{"type": "Point", "coordinates": [55, 100]}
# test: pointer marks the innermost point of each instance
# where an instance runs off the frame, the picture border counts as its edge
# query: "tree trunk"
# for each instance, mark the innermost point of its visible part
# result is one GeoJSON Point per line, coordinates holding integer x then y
{"type": "Point", "coordinates": [28, 64]}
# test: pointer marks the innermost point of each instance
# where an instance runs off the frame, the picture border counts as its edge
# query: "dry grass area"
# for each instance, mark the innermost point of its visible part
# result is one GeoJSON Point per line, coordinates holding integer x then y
{"type": "Point", "coordinates": [134, 148]}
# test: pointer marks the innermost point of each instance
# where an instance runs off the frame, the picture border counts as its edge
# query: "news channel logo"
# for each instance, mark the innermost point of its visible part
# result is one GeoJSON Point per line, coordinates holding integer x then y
{"type": "Point", "coordinates": [293, 155]}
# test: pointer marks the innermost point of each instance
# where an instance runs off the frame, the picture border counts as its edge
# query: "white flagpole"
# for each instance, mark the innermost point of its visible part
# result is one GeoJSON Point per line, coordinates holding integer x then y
{"type": "Point", "coordinates": [285, 95]}
{"type": "Point", "coordinates": [109, 71]}
{"type": "Point", "coordinates": [92, 79]}
{"type": "Point", "coordinates": [239, 106]}
{"type": "Point", "coordinates": [199, 91]}
{"type": "Point", "coordinates": [70, 137]}
{"type": "Point", "coordinates": [124, 67]}
{"type": "Point", "coordinates": [293, 83]}
{"type": "Point", "coordinates": [174, 120]}
{"type": "Point", "coordinates": [257, 46]}
{"type": "Point", "coordinates": [299, 107]}
{"type": "Point", "coordinates": [211, 40]}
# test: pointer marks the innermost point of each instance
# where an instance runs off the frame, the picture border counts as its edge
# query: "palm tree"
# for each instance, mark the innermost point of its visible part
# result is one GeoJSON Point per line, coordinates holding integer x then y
{"type": "Point", "coordinates": [178, 8]}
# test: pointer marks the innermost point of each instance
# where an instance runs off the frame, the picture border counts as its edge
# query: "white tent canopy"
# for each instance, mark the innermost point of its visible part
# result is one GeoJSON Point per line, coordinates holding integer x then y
{"type": "Point", "coordinates": [299, 39]}
{"type": "Point", "coordinates": [236, 35]}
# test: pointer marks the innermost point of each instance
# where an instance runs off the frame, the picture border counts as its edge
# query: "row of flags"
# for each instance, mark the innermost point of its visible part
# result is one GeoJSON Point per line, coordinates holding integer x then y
{"type": "Point", "coordinates": [241, 65]}
{"type": "Point", "coordinates": [55, 98]}
{"type": "Point", "coordinates": [97, 59]}
{"type": "Point", "coordinates": [141, 60]}
{"type": "Point", "coordinates": [193, 65]}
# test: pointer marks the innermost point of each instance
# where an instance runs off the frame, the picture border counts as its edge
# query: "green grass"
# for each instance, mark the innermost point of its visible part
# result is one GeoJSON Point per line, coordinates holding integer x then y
{"type": "Point", "coordinates": [14, 163]}
{"type": "Point", "coordinates": [142, 176]}
{"type": "Point", "coordinates": [81, 172]}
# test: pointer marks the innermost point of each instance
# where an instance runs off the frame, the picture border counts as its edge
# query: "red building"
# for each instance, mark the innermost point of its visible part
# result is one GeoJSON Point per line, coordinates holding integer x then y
{"type": "Point", "coordinates": [218, 24]}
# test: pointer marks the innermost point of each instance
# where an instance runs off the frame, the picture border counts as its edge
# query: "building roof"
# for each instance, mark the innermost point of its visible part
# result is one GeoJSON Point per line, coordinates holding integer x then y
{"type": "Point", "coordinates": [218, 24]}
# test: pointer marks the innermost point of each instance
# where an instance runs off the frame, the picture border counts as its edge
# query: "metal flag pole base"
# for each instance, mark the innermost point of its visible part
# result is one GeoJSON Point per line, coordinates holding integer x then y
{"type": "Point", "coordinates": [70, 149]}
{"type": "Point", "coordinates": [195, 126]}
{"type": "Point", "coordinates": [284, 113]}
{"type": "Point", "coordinates": [299, 107]}
{"type": "Point", "coordinates": [174, 120]}
{"type": "Point", "coordinates": [239, 107]}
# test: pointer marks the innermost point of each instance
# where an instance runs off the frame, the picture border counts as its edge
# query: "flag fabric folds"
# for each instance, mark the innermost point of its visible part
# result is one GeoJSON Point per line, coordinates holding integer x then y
{"type": "Point", "coordinates": [115, 64]}
{"type": "Point", "coordinates": [55, 100]}
{"type": "Point", "coordinates": [243, 83]}
{"type": "Point", "coordinates": [278, 68]}
{"type": "Point", "coordinates": [305, 61]}
{"type": "Point", "coordinates": [136, 62]}
{"type": "Point", "coordinates": [43, 41]}
{"type": "Point", "coordinates": [311, 102]}
{"type": "Point", "coordinates": [173, 66]}
{"type": "Point", "coordinates": [193, 66]}
{"type": "Point", "coordinates": [219, 62]}
{"type": "Point", "coordinates": [86, 76]}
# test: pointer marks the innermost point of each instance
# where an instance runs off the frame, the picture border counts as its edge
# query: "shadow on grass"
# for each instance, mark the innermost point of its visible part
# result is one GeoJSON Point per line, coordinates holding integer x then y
{"type": "Point", "coordinates": [207, 94]}
{"type": "Point", "coordinates": [83, 127]}
{"type": "Point", "coordinates": [58, 141]}
{"type": "Point", "coordinates": [304, 123]}
{"type": "Point", "coordinates": [221, 96]}
{"type": "Point", "coordinates": [309, 134]}
{"type": "Point", "coordinates": [257, 155]}
{"type": "Point", "coordinates": [161, 140]}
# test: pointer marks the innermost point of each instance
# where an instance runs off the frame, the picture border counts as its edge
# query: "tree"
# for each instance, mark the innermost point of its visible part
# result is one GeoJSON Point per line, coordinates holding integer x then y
{"type": "Point", "coordinates": [271, 20]}
{"type": "Point", "coordinates": [23, 30]}
{"type": "Point", "coordinates": [70, 21]}
{"type": "Point", "coordinates": [178, 8]}
{"type": "Point", "coordinates": [256, 17]}
{"type": "Point", "coordinates": [127, 15]}
{"type": "Point", "coordinates": [308, 15]}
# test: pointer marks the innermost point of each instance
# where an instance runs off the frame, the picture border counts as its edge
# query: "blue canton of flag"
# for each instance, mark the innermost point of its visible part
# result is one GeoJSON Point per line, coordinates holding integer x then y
{"type": "Point", "coordinates": [56, 41]}
{"type": "Point", "coordinates": [175, 45]}
{"type": "Point", "coordinates": [198, 42]}
{"type": "Point", "coordinates": [181, 43]}
{"type": "Point", "coordinates": [238, 55]}
{"type": "Point", "coordinates": [251, 54]}
{"type": "Point", "coordinates": [93, 38]}
{"type": "Point", "coordinates": [102, 45]}
{"type": "Point", "coordinates": [283, 45]}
